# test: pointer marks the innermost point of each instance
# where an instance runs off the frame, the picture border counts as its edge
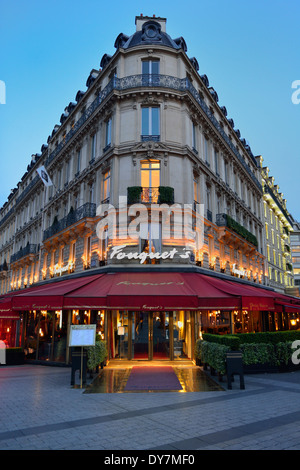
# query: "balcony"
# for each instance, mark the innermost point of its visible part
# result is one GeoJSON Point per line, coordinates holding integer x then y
{"type": "Point", "coordinates": [148, 138]}
{"type": "Point", "coordinates": [159, 195]}
{"type": "Point", "coordinates": [28, 250]}
{"type": "Point", "coordinates": [87, 210]}
{"type": "Point", "coordinates": [151, 81]}
{"type": "Point", "coordinates": [3, 270]}
{"type": "Point", "coordinates": [227, 221]}
{"type": "Point", "coordinates": [209, 215]}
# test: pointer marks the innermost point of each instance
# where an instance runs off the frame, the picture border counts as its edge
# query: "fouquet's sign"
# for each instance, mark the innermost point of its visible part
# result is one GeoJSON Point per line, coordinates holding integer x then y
{"type": "Point", "coordinates": [118, 253]}
{"type": "Point", "coordinates": [60, 270]}
{"type": "Point", "coordinates": [239, 272]}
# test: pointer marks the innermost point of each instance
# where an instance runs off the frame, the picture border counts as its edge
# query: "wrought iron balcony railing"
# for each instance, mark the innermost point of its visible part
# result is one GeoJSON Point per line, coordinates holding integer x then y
{"type": "Point", "coordinates": [138, 81]}
{"type": "Point", "coordinates": [150, 195]}
{"type": "Point", "coordinates": [28, 250]}
{"type": "Point", "coordinates": [87, 210]}
{"type": "Point", "coordinates": [152, 81]}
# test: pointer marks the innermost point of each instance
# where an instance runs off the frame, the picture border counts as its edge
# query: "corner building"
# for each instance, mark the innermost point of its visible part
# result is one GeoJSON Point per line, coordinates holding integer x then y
{"type": "Point", "coordinates": [147, 131]}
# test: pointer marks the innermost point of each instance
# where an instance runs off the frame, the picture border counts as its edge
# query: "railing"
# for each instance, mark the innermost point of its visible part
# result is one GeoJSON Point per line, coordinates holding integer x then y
{"type": "Point", "coordinates": [150, 195]}
{"type": "Point", "coordinates": [209, 215]}
{"type": "Point", "coordinates": [268, 190]}
{"type": "Point", "coordinates": [137, 81]}
{"type": "Point", "coordinates": [28, 250]}
{"type": "Point", "coordinates": [147, 138]}
{"type": "Point", "coordinates": [155, 81]}
{"type": "Point", "coordinates": [3, 267]}
{"type": "Point", "coordinates": [87, 210]}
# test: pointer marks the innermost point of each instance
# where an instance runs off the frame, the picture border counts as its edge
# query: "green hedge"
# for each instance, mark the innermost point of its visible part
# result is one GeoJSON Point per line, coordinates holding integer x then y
{"type": "Point", "coordinates": [134, 194]}
{"type": "Point", "coordinates": [96, 354]}
{"type": "Point", "coordinates": [240, 230]}
{"type": "Point", "coordinates": [166, 195]}
{"type": "Point", "coordinates": [258, 353]}
{"type": "Point", "coordinates": [276, 353]}
{"type": "Point", "coordinates": [233, 341]}
{"type": "Point", "coordinates": [213, 354]}
{"type": "Point", "coordinates": [273, 337]}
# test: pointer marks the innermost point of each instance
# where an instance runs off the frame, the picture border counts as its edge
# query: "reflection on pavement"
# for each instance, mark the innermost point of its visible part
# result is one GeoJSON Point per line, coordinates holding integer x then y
{"type": "Point", "coordinates": [114, 381]}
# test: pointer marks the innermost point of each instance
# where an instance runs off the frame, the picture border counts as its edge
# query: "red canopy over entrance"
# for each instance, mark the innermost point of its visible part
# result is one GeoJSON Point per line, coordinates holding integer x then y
{"type": "Point", "coordinates": [148, 291]}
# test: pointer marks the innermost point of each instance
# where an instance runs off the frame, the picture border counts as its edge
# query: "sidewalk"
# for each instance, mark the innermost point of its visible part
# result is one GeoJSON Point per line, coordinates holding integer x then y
{"type": "Point", "coordinates": [40, 410]}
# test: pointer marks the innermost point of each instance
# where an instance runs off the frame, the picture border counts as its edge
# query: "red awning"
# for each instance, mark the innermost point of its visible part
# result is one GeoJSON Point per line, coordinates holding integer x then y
{"type": "Point", "coordinates": [145, 291]}
{"type": "Point", "coordinates": [6, 311]}
{"type": "Point", "coordinates": [10, 315]}
{"type": "Point", "coordinates": [252, 298]}
{"type": "Point", "coordinates": [150, 291]}
{"type": "Point", "coordinates": [49, 296]}
{"type": "Point", "coordinates": [135, 291]}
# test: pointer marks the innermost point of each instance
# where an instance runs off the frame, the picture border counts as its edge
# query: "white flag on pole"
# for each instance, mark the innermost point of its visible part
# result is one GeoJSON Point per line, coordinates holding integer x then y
{"type": "Point", "coordinates": [44, 176]}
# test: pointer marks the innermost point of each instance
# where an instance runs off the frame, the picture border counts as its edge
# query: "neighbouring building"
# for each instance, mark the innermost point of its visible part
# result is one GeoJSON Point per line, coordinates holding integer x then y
{"type": "Point", "coordinates": [295, 251]}
{"type": "Point", "coordinates": [143, 213]}
{"type": "Point", "coordinates": [278, 224]}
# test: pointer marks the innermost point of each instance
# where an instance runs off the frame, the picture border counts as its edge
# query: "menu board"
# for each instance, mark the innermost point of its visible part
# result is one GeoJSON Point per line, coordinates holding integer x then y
{"type": "Point", "coordinates": [82, 335]}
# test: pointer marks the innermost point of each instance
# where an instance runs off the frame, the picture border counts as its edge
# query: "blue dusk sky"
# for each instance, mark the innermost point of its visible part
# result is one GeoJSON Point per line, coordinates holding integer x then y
{"type": "Point", "coordinates": [249, 49]}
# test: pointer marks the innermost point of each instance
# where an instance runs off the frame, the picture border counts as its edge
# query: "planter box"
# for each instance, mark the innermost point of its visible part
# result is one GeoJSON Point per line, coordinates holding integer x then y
{"type": "Point", "coordinates": [14, 356]}
{"type": "Point", "coordinates": [260, 368]}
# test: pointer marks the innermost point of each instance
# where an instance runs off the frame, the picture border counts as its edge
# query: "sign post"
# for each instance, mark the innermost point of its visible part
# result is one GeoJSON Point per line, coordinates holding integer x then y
{"type": "Point", "coordinates": [82, 336]}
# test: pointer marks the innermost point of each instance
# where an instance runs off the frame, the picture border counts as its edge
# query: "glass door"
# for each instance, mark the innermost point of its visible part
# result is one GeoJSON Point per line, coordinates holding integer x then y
{"type": "Point", "coordinates": [140, 335]}
{"type": "Point", "coordinates": [161, 337]}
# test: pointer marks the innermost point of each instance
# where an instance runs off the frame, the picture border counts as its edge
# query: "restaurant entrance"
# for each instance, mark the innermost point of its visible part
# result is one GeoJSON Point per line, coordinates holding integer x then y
{"type": "Point", "coordinates": [152, 335]}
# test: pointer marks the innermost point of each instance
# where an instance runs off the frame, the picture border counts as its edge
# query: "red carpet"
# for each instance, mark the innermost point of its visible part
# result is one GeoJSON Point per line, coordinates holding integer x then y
{"type": "Point", "coordinates": [152, 378]}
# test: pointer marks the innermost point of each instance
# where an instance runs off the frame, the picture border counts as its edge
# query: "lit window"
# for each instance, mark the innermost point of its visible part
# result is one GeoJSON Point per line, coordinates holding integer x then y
{"type": "Point", "coordinates": [150, 180]}
{"type": "Point", "coordinates": [106, 186]}
{"type": "Point", "coordinates": [150, 240]}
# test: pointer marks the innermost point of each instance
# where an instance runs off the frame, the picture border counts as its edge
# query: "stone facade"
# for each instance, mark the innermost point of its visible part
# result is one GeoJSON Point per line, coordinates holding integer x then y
{"type": "Point", "coordinates": [147, 104]}
{"type": "Point", "coordinates": [278, 229]}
